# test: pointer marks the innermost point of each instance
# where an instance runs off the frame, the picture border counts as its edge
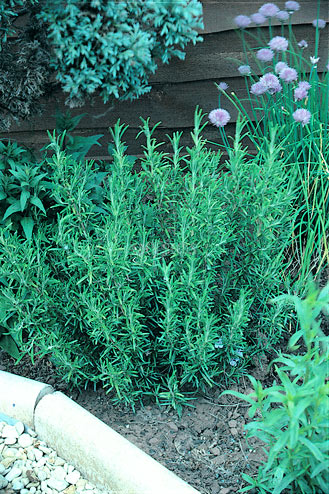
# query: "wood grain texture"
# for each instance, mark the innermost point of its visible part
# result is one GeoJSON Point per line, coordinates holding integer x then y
{"type": "Point", "coordinates": [182, 85]}
{"type": "Point", "coordinates": [218, 15]}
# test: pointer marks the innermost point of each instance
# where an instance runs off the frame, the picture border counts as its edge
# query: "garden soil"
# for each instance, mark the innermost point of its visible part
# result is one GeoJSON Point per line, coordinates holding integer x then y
{"type": "Point", "coordinates": [206, 446]}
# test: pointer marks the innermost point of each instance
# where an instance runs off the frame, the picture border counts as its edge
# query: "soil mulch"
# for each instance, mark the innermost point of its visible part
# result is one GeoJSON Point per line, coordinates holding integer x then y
{"type": "Point", "coordinates": [206, 446]}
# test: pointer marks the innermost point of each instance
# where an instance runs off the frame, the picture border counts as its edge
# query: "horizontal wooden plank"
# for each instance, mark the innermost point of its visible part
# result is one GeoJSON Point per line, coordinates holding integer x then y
{"type": "Point", "coordinates": [36, 140]}
{"type": "Point", "coordinates": [172, 104]}
{"type": "Point", "coordinates": [218, 15]}
{"type": "Point", "coordinates": [219, 55]}
{"type": "Point", "coordinates": [181, 85]}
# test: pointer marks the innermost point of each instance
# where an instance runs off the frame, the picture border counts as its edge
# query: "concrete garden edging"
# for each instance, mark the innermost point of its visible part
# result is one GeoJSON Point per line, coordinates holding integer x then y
{"type": "Point", "coordinates": [102, 455]}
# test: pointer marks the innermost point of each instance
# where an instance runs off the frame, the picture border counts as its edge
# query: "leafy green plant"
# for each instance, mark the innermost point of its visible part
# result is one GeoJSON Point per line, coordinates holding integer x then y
{"type": "Point", "coordinates": [138, 289]}
{"type": "Point", "coordinates": [293, 413]}
{"type": "Point", "coordinates": [22, 188]}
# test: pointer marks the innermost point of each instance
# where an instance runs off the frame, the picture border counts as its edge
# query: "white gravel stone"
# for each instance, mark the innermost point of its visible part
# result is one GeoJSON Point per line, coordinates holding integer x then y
{"type": "Point", "coordinates": [29, 466]}
{"type": "Point", "coordinates": [3, 482]}
{"type": "Point", "coordinates": [41, 475]}
{"type": "Point", "coordinates": [41, 462]}
{"type": "Point", "coordinates": [44, 485]}
{"type": "Point", "coordinates": [17, 485]}
{"type": "Point", "coordinates": [38, 454]}
{"type": "Point", "coordinates": [8, 452]}
{"type": "Point", "coordinates": [59, 461]}
{"type": "Point", "coordinates": [59, 473]}
{"type": "Point", "coordinates": [14, 472]}
{"type": "Point", "coordinates": [45, 450]}
{"type": "Point", "coordinates": [25, 440]}
{"type": "Point", "coordinates": [10, 440]}
{"type": "Point", "coordinates": [72, 477]}
{"type": "Point", "coordinates": [55, 483]}
{"type": "Point", "coordinates": [30, 454]}
{"type": "Point", "coordinates": [19, 426]}
{"type": "Point", "coordinates": [9, 431]}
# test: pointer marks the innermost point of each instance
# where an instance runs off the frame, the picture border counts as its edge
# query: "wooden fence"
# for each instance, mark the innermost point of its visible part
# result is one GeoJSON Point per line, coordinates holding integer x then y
{"type": "Point", "coordinates": [177, 88]}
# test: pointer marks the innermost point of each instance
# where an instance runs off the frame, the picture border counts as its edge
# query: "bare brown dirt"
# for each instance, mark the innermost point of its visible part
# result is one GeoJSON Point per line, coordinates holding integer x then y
{"type": "Point", "coordinates": [206, 446]}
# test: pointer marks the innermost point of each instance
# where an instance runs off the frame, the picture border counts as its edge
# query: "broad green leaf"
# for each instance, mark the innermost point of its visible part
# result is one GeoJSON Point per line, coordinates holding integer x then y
{"type": "Point", "coordinates": [14, 208]}
{"type": "Point", "coordinates": [277, 448]}
{"type": "Point", "coordinates": [237, 394]}
{"type": "Point", "coordinates": [36, 201]}
{"type": "Point", "coordinates": [312, 448]}
{"type": "Point", "coordinates": [285, 482]}
{"type": "Point", "coordinates": [27, 225]}
{"type": "Point", "coordinates": [25, 194]}
{"type": "Point", "coordinates": [8, 344]}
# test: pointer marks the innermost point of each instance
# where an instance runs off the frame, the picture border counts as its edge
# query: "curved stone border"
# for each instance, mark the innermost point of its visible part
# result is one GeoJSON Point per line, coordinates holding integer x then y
{"type": "Point", "coordinates": [102, 455]}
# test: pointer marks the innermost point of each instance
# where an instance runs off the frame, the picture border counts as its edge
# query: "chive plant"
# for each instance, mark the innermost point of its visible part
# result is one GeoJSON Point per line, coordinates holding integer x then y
{"type": "Point", "coordinates": [291, 95]}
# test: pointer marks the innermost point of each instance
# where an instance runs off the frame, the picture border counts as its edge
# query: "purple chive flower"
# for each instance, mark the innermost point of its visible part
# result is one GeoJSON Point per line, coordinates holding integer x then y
{"type": "Point", "coordinates": [244, 69]}
{"type": "Point", "coordinates": [233, 362]}
{"type": "Point", "coordinates": [268, 9]}
{"type": "Point", "coordinates": [280, 66]}
{"type": "Point", "coordinates": [300, 93]}
{"type": "Point", "coordinates": [258, 88]}
{"type": "Point", "coordinates": [292, 6]}
{"type": "Point", "coordinates": [278, 43]}
{"type": "Point", "coordinates": [303, 43]}
{"type": "Point", "coordinates": [288, 74]}
{"type": "Point", "coordinates": [265, 55]}
{"type": "Point", "coordinates": [258, 18]}
{"type": "Point", "coordinates": [239, 352]}
{"type": "Point", "coordinates": [302, 116]}
{"type": "Point", "coordinates": [223, 86]}
{"type": "Point", "coordinates": [305, 85]}
{"type": "Point", "coordinates": [219, 117]}
{"type": "Point", "coordinates": [282, 15]}
{"type": "Point", "coordinates": [242, 21]}
{"type": "Point", "coordinates": [320, 23]}
{"type": "Point", "coordinates": [271, 82]}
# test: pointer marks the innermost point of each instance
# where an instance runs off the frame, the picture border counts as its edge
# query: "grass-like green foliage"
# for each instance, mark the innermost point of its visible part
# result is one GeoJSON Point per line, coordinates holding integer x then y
{"type": "Point", "coordinates": [156, 282]}
{"type": "Point", "coordinates": [295, 429]}
{"type": "Point", "coordinates": [305, 146]}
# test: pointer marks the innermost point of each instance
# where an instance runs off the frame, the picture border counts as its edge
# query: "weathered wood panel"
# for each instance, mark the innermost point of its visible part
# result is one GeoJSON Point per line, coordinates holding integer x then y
{"type": "Point", "coordinates": [181, 85]}
{"type": "Point", "coordinates": [218, 15]}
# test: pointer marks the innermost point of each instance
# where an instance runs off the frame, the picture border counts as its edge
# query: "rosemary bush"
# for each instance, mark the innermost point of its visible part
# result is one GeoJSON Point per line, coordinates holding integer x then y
{"type": "Point", "coordinates": [152, 283]}
{"type": "Point", "coordinates": [295, 431]}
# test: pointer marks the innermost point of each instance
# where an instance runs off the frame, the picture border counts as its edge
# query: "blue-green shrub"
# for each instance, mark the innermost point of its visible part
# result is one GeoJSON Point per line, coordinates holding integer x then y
{"type": "Point", "coordinates": [114, 47]}
{"type": "Point", "coordinates": [84, 47]}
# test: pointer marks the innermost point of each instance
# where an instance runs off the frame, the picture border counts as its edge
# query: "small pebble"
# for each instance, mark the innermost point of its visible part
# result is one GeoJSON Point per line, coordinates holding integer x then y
{"type": "Point", "coordinates": [9, 431]}
{"type": "Point", "coordinates": [25, 440]}
{"type": "Point", "coordinates": [19, 426]}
